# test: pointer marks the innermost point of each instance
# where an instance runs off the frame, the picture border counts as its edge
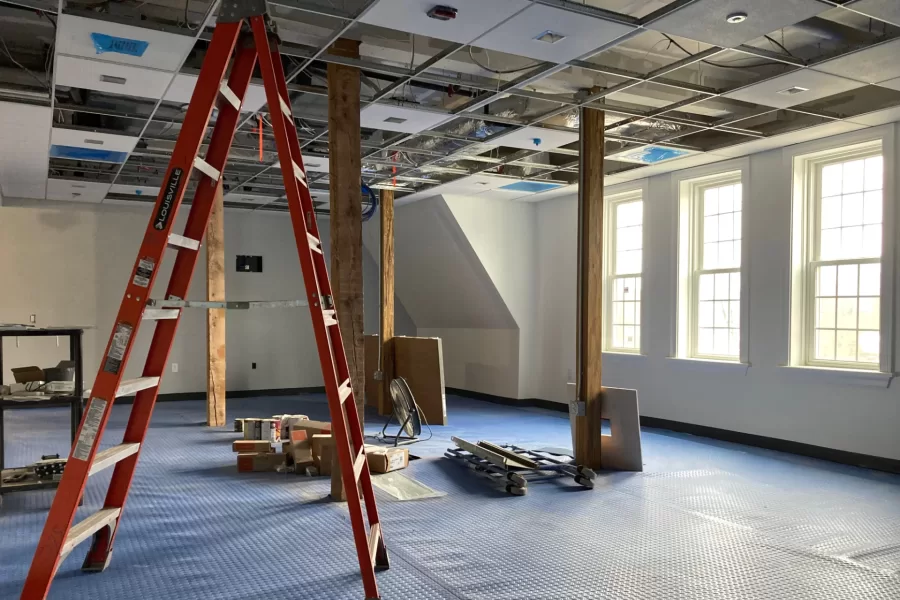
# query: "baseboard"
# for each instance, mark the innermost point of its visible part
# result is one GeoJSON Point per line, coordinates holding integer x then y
{"type": "Point", "coordinates": [855, 459]}
{"type": "Point", "coordinates": [845, 457]}
{"type": "Point", "coordinates": [177, 396]}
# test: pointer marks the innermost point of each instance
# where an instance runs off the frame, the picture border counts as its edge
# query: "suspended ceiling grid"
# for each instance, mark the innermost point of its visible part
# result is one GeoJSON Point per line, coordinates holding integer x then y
{"type": "Point", "coordinates": [472, 105]}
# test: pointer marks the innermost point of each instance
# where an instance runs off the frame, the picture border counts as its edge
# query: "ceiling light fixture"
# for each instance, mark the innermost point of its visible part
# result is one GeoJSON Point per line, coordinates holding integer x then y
{"type": "Point", "coordinates": [736, 18]}
{"type": "Point", "coordinates": [794, 90]}
{"type": "Point", "coordinates": [549, 37]}
{"type": "Point", "coordinates": [395, 120]}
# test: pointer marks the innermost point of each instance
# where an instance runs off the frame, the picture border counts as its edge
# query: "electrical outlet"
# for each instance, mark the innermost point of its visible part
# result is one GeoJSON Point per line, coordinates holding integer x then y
{"type": "Point", "coordinates": [174, 367]}
{"type": "Point", "coordinates": [34, 318]}
{"type": "Point", "coordinates": [252, 365]}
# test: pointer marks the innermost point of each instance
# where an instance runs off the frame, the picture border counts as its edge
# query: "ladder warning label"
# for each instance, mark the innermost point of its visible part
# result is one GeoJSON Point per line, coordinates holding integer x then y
{"type": "Point", "coordinates": [144, 271]}
{"type": "Point", "coordinates": [89, 429]}
{"type": "Point", "coordinates": [117, 347]}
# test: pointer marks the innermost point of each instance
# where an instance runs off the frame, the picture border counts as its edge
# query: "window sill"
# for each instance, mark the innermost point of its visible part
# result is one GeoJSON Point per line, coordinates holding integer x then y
{"type": "Point", "coordinates": [614, 354]}
{"type": "Point", "coordinates": [704, 364]}
{"type": "Point", "coordinates": [839, 376]}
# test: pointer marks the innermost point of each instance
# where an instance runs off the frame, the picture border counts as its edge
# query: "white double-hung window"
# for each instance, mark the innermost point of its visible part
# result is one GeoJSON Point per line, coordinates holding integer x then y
{"type": "Point", "coordinates": [624, 266]}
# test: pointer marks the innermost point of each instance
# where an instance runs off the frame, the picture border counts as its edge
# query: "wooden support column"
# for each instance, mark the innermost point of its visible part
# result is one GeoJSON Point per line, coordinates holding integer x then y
{"type": "Point", "coordinates": [345, 172]}
{"type": "Point", "coordinates": [387, 302]}
{"type": "Point", "coordinates": [590, 289]}
{"type": "Point", "coordinates": [215, 318]}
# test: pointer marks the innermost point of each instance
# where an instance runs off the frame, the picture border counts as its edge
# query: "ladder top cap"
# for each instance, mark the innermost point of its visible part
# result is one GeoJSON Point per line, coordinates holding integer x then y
{"type": "Point", "coordinates": [233, 11]}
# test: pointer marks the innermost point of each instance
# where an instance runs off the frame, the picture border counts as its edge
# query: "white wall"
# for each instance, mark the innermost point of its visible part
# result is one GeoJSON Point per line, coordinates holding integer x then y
{"type": "Point", "coordinates": [69, 265]}
{"type": "Point", "coordinates": [765, 399]}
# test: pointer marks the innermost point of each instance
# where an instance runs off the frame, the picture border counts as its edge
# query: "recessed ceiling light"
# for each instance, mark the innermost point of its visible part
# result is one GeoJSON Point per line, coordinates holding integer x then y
{"type": "Point", "coordinates": [736, 18]}
{"type": "Point", "coordinates": [395, 120]}
{"type": "Point", "coordinates": [794, 90]}
{"type": "Point", "coordinates": [550, 37]}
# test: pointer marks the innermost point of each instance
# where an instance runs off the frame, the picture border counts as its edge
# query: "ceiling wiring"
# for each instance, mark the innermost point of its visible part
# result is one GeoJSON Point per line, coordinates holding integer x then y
{"type": "Point", "coordinates": [500, 72]}
{"type": "Point", "coordinates": [20, 65]}
{"type": "Point", "coordinates": [724, 65]}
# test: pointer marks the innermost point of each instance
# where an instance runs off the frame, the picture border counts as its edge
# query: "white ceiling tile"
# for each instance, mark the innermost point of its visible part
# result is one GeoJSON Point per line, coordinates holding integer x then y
{"type": "Point", "coordinates": [474, 17]}
{"type": "Point", "coordinates": [76, 191]}
{"type": "Point", "coordinates": [871, 65]}
{"type": "Point", "coordinates": [893, 84]}
{"type": "Point", "coordinates": [249, 198]}
{"type": "Point", "coordinates": [818, 85]}
{"type": "Point", "coordinates": [86, 73]}
{"type": "Point", "coordinates": [789, 139]}
{"type": "Point", "coordinates": [147, 191]}
{"type": "Point", "coordinates": [182, 89]}
{"type": "Point", "coordinates": [163, 50]}
{"type": "Point", "coordinates": [412, 120]}
{"type": "Point", "coordinates": [582, 34]}
{"type": "Point", "coordinates": [704, 20]}
{"type": "Point", "coordinates": [886, 10]}
{"type": "Point", "coordinates": [89, 139]}
{"type": "Point", "coordinates": [25, 131]}
{"type": "Point", "coordinates": [880, 117]}
{"type": "Point", "coordinates": [535, 138]}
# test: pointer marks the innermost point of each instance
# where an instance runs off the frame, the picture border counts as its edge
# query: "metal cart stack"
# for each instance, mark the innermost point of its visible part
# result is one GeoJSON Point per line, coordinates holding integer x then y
{"type": "Point", "coordinates": [513, 467]}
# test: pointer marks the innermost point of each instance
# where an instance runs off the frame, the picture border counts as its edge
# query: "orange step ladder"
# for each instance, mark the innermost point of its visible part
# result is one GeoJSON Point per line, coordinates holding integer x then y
{"type": "Point", "coordinates": [244, 29]}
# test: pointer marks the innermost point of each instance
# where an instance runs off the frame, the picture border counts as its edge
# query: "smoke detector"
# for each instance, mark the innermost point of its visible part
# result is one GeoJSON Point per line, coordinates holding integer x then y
{"type": "Point", "coordinates": [442, 13]}
{"type": "Point", "coordinates": [735, 18]}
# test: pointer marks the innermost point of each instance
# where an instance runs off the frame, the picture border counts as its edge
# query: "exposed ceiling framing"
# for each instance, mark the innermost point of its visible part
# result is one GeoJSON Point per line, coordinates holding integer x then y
{"type": "Point", "coordinates": [471, 109]}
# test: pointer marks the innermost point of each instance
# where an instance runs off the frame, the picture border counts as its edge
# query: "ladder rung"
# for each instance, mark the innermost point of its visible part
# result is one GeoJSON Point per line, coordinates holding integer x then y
{"type": "Point", "coordinates": [130, 386]}
{"type": "Point", "coordinates": [207, 169]}
{"type": "Point", "coordinates": [374, 538]}
{"type": "Point", "coordinates": [179, 241]}
{"type": "Point", "coordinates": [88, 527]}
{"type": "Point", "coordinates": [230, 96]}
{"type": "Point", "coordinates": [110, 456]}
{"type": "Point", "coordinates": [237, 305]}
{"type": "Point", "coordinates": [329, 318]}
{"type": "Point", "coordinates": [300, 175]}
{"type": "Point", "coordinates": [344, 390]}
{"type": "Point", "coordinates": [285, 107]}
{"type": "Point", "coordinates": [314, 243]}
{"type": "Point", "coordinates": [359, 463]}
{"type": "Point", "coordinates": [160, 314]}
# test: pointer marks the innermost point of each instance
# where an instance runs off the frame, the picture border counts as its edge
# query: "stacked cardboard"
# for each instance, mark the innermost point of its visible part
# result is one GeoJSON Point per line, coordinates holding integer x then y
{"type": "Point", "coordinates": [385, 460]}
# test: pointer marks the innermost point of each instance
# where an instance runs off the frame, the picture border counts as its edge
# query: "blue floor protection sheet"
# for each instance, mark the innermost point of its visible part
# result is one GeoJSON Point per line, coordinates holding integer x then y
{"type": "Point", "coordinates": [706, 520]}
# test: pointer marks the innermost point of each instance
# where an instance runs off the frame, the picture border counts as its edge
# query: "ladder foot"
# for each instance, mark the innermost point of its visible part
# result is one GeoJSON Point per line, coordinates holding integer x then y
{"type": "Point", "coordinates": [100, 554]}
{"type": "Point", "coordinates": [382, 561]}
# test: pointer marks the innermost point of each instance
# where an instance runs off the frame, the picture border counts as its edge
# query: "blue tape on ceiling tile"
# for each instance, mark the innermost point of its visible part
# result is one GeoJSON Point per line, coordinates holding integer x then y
{"type": "Point", "coordinates": [531, 186]}
{"type": "Point", "coordinates": [652, 154]}
{"type": "Point", "coordinates": [108, 43]}
{"type": "Point", "coordinates": [76, 153]}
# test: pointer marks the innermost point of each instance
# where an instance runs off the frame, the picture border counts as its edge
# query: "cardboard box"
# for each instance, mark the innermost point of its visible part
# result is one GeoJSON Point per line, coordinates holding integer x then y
{"type": "Point", "coordinates": [287, 424]}
{"type": "Point", "coordinates": [323, 452]}
{"type": "Point", "coordinates": [257, 446]}
{"type": "Point", "coordinates": [385, 460]}
{"type": "Point", "coordinates": [301, 447]}
{"type": "Point", "coordinates": [313, 427]}
{"type": "Point", "coordinates": [27, 374]}
{"type": "Point", "coordinates": [258, 461]}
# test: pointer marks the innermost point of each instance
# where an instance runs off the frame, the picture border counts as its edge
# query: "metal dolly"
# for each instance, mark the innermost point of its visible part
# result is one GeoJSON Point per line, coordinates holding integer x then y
{"type": "Point", "coordinates": [514, 467]}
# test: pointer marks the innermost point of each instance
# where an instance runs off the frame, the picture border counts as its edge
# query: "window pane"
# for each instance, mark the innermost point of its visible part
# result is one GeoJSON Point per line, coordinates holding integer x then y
{"type": "Point", "coordinates": [722, 286]}
{"type": "Point", "coordinates": [726, 227]}
{"type": "Point", "coordinates": [853, 176]}
{"type": "Point", "coordinates": [734, 314]}
{"type": "Point", "coordinates": [629, 313]}
{"type": "Point", "coordinates": [827, 281]}
{"type": "Point", "coordinates": [705, 341]}
{"type": "Point", "coordinates": [830, 244]}
{"type": "Point", "coordinates": [825, 344]}
{"type": "Point", "coordinates": [617, 336]}
{"type": "Point", "coordinates": [734, 342]}
{"type": "Point", "coordinates": [871, 241]}
{"type": "Point", "coordinates": [629, 288]}
{"type": "Point", "coordinates": [618, 313]}
{"type": "Point", "coordinates": [825, 312]}
{"type": "Point", "coordinates": [619, 290]}
{"type": "Point", "coordinates": [869, 280]}
{"type": "Point", "coordinates": [629, 336]}
{"type": "Point", "coordinates": [872, 207]}
{"type": "Point", "coordinates": [874, 178]}
{"type": "Point", "coordinates": [637, 313]}
{"type": "Point", "coordinates": [637, 337]}
{"type": "Point", "coordinates": [847, 280]}
{"type": "Point", "coordinates": [845, 347]}
{"type": "Point", "coordinates": [869, 346]}
{"type": "Point", "coordinates": [726, 254]}
{"type": "Point", "coordinates": [869, 313]}
{"type": "Point", "coordinates": [846, 313]}
{"type": "Point", "coordinates": [711, 201]}
{"type": "Point", "coordinates": [852, 210]}
{"type": "Point", "coordinates": [737, 196]}
{"type": "Point", "coordinates": [637, 288]}
{"type": "Point", "coordinates": [720, 341]}
{"type": "Point", "coordinates": [831, 212]}
{"type": "Point", "coordinates": [710, 256]}
{"type": "Point", "coordinates": [707, 283]}
{"type": "Point", "coordinates": [721, 314]}
{"type": "Point", "coordinates": [705, 314]}
{"type": "Point", "coordinates": [832, 178]}
{"type": "Point", "coordinates": [726, 199]}
{"type": "Point", "coordinates": [710, 229]}
{"type": "Point", "coordinates": [851, 242]}
{"type": "Point", "coordinates": [735, 293]}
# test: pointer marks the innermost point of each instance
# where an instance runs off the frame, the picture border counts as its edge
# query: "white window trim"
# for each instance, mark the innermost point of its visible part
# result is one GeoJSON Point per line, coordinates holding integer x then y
{"type": "Point", "coordinates": [798, 162]}
{"type": "Point", "coordinates": [613, 196]}
{"type": "Point", "coordinates": [684, 185]}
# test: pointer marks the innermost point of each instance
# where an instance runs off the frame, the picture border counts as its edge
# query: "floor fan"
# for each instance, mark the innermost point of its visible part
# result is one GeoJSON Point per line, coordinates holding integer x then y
{"type": "Point", "coordinates": [407, 414]}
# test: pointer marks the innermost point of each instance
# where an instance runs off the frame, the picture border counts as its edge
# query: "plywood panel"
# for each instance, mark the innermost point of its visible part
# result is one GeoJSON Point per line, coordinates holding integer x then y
{"type": "Point", "coordinates": [420, 361]}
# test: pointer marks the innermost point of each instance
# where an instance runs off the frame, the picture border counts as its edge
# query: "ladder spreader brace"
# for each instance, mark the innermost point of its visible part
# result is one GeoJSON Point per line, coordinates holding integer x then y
{"type": "Point", "coordinates": [244, 29]}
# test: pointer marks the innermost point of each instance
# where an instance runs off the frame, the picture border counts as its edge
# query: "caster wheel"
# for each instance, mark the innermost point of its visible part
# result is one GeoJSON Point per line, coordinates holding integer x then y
{"type": "Point", "coordinates": [515, 490]}
{"type": "Point", "coordinates": [516, 480]}
{"type": "Point", "coordinates": [586, 473]}
{"type": "Point", "coordinates": [584, 481]}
